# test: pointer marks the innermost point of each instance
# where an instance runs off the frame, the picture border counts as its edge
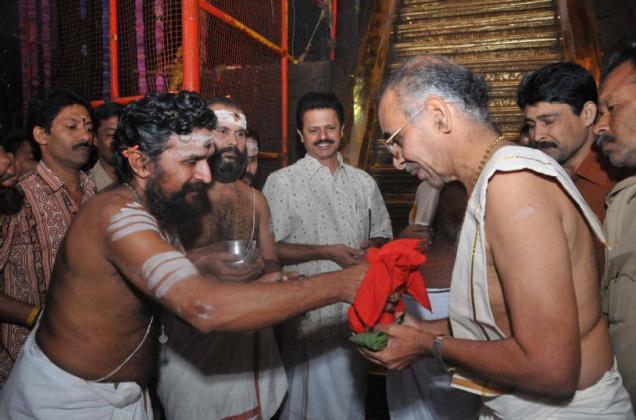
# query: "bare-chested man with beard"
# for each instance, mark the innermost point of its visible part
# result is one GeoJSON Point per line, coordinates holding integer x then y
{"type": "Point", "coordinates": [228, 374]}
{"type": "Point", "coordinates": [95, 347]}
{"type": "Point", "coordinates": [525, 328]}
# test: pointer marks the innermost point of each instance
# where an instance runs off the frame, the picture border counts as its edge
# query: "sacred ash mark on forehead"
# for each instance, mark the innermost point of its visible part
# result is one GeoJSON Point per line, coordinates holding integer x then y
{"type": "Point", "coordinates": [236, 118]}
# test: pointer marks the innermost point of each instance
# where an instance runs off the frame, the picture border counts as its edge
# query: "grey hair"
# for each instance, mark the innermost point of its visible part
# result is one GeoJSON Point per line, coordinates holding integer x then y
{"type": "Point", "coordinates": [431, 75]}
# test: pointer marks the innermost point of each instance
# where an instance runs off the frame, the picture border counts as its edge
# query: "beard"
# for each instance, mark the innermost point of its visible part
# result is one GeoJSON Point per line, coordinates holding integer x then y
{"type": "Point", "coordinates": [227, 170]}
{"type": "Point", "coordinates": [11, 200]}
{"type": "Point", "coordinates": [188, 204]}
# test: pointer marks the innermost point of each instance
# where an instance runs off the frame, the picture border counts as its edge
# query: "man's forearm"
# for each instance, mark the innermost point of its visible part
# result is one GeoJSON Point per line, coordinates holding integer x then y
{"type": "Point", "coordinates": [504, 362]}
{"type": "Point", "coordinates": [247, 306]}
{"type": "Point", "coordinates": [297, 253]}
{"type": "Point", "coordinates": [13, 311]}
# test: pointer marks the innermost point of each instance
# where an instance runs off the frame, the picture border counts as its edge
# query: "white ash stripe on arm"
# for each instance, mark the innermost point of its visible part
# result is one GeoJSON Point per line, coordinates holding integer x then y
{"type": "Point", "coordinates": [164, 270]}
{"type": "Point", "coordinates": [131, 219]}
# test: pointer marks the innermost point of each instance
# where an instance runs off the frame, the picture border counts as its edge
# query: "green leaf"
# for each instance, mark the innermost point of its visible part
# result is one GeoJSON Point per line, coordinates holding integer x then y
{"type": "Point", "coordinates": [372, 340]}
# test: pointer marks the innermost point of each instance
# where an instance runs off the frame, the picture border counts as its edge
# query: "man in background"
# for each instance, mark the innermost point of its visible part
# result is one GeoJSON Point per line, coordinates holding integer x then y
{"type": "Point", "coordinates": [226, 374]}
{"type": "Point", "coordinates": [105, 120]}
{"type": "Point", "coordinates": [616, 130]}
{"type": "Point", "coordinates": [253, 146]}
{"type": "Point", "coordinates": [61, 124]}
{"type": "Point", "coordinates": [324, 214]}
{"type": "Point", "coordinates": [559, 102]}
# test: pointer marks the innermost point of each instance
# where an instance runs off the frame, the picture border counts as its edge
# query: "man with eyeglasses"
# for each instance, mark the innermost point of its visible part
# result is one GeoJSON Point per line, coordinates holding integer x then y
{"type": "Point", "coordinates": [225, 375]}
{"type": "Point", "coordinates": [324, 214]}
{"type": "Point", "coordinates": [527, 331]}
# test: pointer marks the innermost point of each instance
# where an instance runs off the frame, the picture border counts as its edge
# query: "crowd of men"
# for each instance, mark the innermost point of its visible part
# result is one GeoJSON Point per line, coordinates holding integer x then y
{"type": "Point", "coordinates": [119, 278]}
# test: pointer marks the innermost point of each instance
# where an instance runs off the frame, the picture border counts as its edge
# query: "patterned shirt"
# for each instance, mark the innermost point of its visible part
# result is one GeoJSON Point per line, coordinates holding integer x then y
{"type": "Point", "coordinates": [29, 242]}
{"type": "Point", "coordinates": [311, 206]}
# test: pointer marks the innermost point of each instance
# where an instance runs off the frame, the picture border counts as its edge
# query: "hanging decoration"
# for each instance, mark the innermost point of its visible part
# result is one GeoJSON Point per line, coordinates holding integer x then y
{"type": "Point", "coordinates": [141, 52]}
{"type": "Point", "coordinates": [160, 81]}
{"type": "Point", "coordinates": [106, 49]}
{"type": "Point", "coordinates": [45, 17]}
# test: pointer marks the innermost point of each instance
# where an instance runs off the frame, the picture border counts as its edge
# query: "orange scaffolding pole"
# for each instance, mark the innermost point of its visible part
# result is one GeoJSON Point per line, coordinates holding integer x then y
{"type": "Point", "coordinates": [190, 23]}
{"type": "Point", "coordinates": [224, 17]}
{"type": "Point", "coordinates": [114, 64]}
{"type": "Point", "coordinates": [334, 19]}
{"type": "Point", "coordinates": [283, 87]}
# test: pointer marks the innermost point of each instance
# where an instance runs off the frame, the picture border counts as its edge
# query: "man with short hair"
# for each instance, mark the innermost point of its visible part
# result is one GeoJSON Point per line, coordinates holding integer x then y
{"type": "Point", "coordinates": [616, 130]}
{"type": "Point", "coordinates": [95, 348]}
{"type": "Point", "coordinates": [60, 122]}
{"type": "Point", "coordinates": [324, 214]}
{"type": "Point", "coordinates": [105, 120]}
{"type": "Point", "coordinates": [230, 374]}
{"type": "Point", "coordinates": [253, 146]}
{"type": "Point", "coordinates": [559, 102]}
{"type": "Point", "coordinates": [527, 330]}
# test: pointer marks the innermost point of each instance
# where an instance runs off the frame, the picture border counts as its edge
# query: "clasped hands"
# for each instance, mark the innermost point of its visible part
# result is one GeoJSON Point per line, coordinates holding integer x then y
{"type": "Point", "coordinates": [407, 342]}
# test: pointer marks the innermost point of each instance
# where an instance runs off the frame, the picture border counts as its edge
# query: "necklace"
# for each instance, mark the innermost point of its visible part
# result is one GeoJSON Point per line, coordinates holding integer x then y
{"type": "Point", "coordinates": [239, 211]}
{"type": "Point", "coordinates": [483, 162]}
{"type": "Point", "coordinates": [134, 191]}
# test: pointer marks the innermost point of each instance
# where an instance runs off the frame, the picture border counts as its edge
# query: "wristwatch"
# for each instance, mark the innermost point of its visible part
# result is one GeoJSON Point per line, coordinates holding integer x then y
{"type": "Point", "coordinates": [437, 353]}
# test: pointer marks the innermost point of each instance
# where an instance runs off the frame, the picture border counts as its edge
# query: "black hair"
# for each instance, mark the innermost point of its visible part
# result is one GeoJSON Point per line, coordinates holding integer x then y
{"type": "Point", "coordinates": [47, 104]}
{"type": "Point", "coordinates": [318, 100]}
{"type": "Point", "coordinates": [15, 139]}
{"type": "Point", "coordinates": [149, 123]}
{"type": "Point", "coordinates": [566, 83]}
{"type": "Point", "coordinates": [223, 100]}
{"type": "Point", "coordinates": [628, 53]}
{"type": "Point", "coordinates": [104, 112]}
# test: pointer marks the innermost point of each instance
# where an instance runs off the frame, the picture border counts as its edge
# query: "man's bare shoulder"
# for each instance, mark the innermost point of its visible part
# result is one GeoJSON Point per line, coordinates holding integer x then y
{"type": "Point", "coordinates": [106, 204]}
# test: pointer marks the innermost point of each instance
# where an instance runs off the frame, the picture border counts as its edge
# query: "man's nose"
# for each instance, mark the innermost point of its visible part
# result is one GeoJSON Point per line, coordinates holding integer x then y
{"type": "Point", "coordinates": [202, 171]}
{"type": "Point", "coordinates": [602, 125]}
{"type": "Point", "coordinates": [538, 133]}
{"type": "Point", "coordinates": [399, 162]}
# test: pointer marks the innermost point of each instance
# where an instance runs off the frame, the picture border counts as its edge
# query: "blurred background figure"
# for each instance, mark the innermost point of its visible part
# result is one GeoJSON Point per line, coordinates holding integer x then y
{"type": "Point", "coordinates": [252, 145]}
{"type": "Point", "coordinates": [105, 119]}
{"type": "Point", "coordinates": [24, 150]}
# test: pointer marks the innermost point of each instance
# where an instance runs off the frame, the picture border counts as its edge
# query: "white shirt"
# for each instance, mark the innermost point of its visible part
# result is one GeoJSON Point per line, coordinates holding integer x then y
{"type": "Point", "coordinates": [311, 206]}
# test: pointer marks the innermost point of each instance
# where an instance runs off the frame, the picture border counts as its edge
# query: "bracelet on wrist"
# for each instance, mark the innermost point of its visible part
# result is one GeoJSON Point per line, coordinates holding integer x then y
{"type": "Point", "coordinates": [437, 353]}
{"type": "Point", "coordinates": [33, 316]}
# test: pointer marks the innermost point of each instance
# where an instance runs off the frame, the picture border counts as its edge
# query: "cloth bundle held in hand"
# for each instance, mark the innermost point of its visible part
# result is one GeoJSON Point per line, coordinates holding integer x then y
{"type": "Point", "coordinates": [393, 268]}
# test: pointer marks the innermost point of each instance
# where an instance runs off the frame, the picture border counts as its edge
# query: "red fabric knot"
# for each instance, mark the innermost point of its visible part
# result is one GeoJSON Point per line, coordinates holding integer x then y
{"type": "Point", "coordinates": [393, 268]}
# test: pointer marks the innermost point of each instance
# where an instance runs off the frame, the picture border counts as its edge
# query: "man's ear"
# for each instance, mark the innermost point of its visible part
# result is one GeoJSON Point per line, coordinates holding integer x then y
{"type": "Point", "coordinates": [441, 113]}
{"type": "Point", "coordinates": [300, 133]}
{"type": "Point", "coordinates": [40, 136]}
{"type": "Point", "coordinates": [342, 130]}
{"type": "Point", "coordinates": [589, 113]}
{"type": "Point", "coordinates": [139, 164]}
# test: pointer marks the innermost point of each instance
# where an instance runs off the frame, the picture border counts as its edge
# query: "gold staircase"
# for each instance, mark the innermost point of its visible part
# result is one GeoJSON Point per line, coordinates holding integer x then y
{"type": "Point", "coordinates": [500, 39]}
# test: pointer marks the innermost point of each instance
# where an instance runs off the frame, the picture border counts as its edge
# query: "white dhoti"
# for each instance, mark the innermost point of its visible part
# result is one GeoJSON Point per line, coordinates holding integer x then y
{"type": "Point", "coordinates": [38, 389]}
{"type": "Point", "coordinates": [607, 399]}
{"type": "Point", "coordinates": [220, 375]}
{"type": "Point", "coordinates": [423, 391]}
{"type": "Point", "coordinates": [327, 380]}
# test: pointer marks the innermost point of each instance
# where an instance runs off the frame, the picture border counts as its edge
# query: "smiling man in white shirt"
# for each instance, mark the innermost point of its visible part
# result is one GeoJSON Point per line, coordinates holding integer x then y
{"type": "Point", "coordinates": [325, 213]}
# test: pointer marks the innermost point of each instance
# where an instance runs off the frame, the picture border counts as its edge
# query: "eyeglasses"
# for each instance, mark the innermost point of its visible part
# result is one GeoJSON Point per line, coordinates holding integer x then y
{"type": "Point", "coordinates": [390, 142]}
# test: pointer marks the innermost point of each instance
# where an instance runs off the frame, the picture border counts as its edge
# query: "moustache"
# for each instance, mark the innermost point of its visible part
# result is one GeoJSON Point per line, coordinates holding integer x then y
{"type": "Point", "coordinates": [233, 149]}
{"type": "Point", "coordinates": [541, 145]}
{"type": "Point", "coordinates": [323, 141]}
{"type": "Point", "coordinates": [82, 144]}
{"type": "Point", "coordinates": [603, 138]}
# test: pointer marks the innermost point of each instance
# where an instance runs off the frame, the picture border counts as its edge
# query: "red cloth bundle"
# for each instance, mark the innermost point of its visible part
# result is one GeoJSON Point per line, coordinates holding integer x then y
{"type": "Point", "coordinates": [393, 268]}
